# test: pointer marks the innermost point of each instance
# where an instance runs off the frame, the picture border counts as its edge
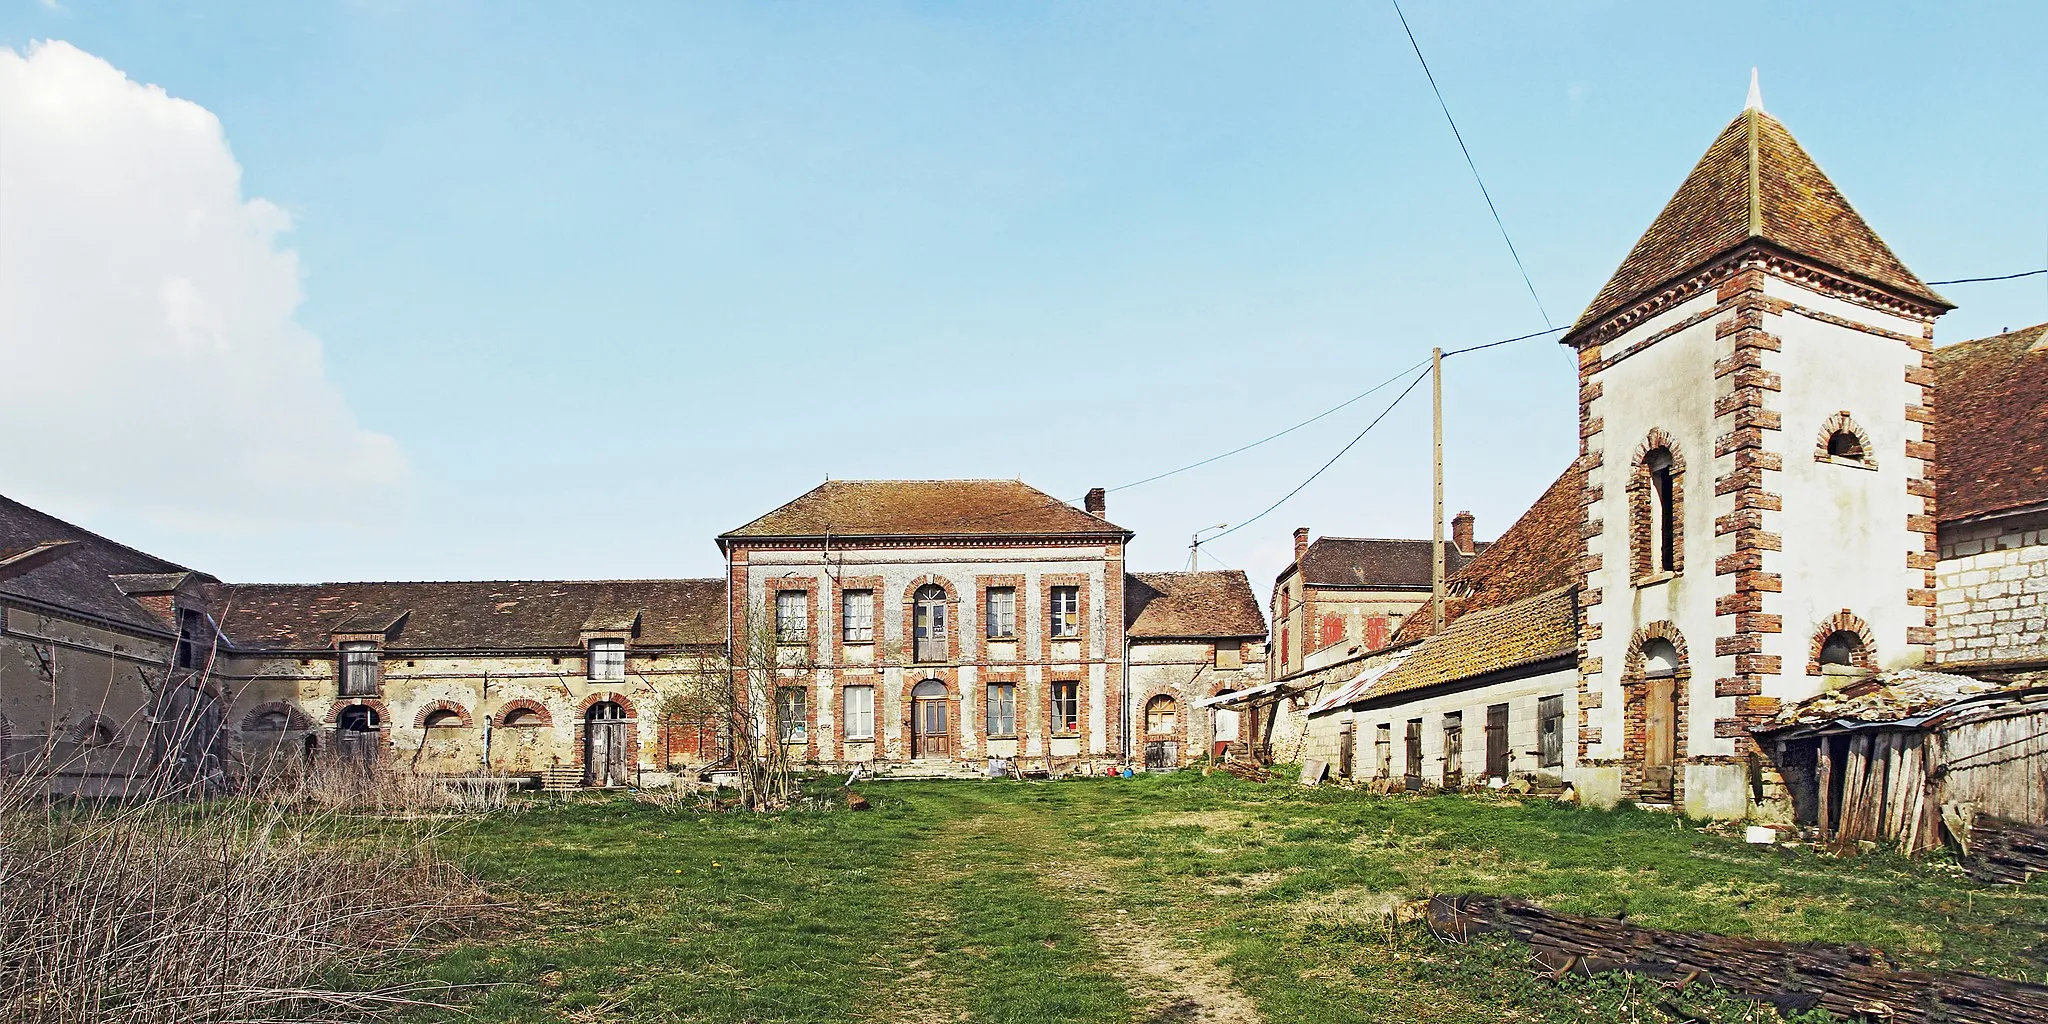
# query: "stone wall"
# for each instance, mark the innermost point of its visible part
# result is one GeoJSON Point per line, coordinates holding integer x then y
{"type": "Point", "coordinates": [74, 697]}
{"type": "Point", "coordinates": [1992, 601]}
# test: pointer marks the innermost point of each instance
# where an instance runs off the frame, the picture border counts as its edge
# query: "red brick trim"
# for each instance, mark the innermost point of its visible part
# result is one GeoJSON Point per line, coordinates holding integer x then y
{"type": "Point", "coordinates": [1839, 423]}
{"type": "Point", "coordinates": [947, 676]}
{"type": "Point", "coordinates": [547, 718]}
{"type": "Point", "coordinates": [89, 727]}
{"type": "Point", "coordinates": [376, 707]}
{"type": "Point", "coordinates": [1018, 695]}
{"type": "Point", "coordinates": [1844, 621]}
{"type": "Point", "coordinates": [625, 704]}
{"type": "Point", "coordinates": [1083, 620]}
{"type": "Point", "coordinates": [809, 587]}
{"type": "Point", "coordinates": [840, 588]}
{"type": "Point", "coordinates": [982, 585]}
{"type": "Point", "coordinates": [419, 721]}
{"type": "Point", "coordinates": [295, 717]}
{"type": "Point", "coordinates": [1642, 560]}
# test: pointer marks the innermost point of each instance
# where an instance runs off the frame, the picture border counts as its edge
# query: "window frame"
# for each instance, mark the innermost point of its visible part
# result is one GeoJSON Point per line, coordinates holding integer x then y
{"type": "Point", "coordinates": [1172, 714]}
{"type": "Point", "coordinates": [605, 659]}
{"type": "Point", "coordinates": [792, 617]}
{"type": "Point", "coordinates": [1064, 721]}
{"type": "Point", "coordinates": [999, 707]}
{"type": "Point", "coordinates": [1063, 612]}
{"type": "Point", "coordinates": [1662, 467]}
{"type": "Point", "coordinates": [999, 613]}
{"type": "Point", "coordinates": [792, 728]}
{"type": "Point", "coordinates": [930, 632]}
{"type": "Point", "coordinates": [857, 627]}
{"type": "Point", "coordinates": [849, 727]}
{"type": "Point", "coordinates": [359, 669]}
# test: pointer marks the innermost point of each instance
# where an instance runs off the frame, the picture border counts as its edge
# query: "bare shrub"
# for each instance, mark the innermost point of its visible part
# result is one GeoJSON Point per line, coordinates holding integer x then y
{"type": "Point", "coordinates": [169, 911]}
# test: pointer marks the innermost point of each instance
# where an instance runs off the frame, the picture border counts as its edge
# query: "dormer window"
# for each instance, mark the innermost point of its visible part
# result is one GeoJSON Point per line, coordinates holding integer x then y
{"type": "Point", "coordinates": [607, 660]}
{"type": "Point", "coordinates": [360, 669]}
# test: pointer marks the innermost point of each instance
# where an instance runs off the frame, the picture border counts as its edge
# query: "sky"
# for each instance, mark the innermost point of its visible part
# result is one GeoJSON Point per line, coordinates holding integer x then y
{"type": "Point", "coordinates": [391, 290]}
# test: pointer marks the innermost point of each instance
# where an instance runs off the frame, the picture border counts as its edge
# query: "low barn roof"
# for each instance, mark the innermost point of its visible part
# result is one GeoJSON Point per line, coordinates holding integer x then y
{"type": "Point", "coordinates": [924, 508]}
{"type": "Point", "coordinates": [1191, 604]}
{"type": "Point", "coordinates": [1522, 633]}
{"type": "Point", "coordinates": [486, 616]}
{"type": "Point", "coordinates": [1991, 424]}
{"type": "Point", "coordinates": [1536, 555]}
{"type": "Point", "coordinates": [48, 561]}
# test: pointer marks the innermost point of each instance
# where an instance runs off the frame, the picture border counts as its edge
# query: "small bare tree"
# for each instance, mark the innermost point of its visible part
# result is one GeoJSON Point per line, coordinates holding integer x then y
{"type": "Point", "coordinates": [741, 692]}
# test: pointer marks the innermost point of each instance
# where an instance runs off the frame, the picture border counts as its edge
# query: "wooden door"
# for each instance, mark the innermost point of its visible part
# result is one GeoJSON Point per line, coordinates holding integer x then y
{"type": "Point", "coordinates": [1413, 761]}
{"type": "Point", "coordinates": [1454, 750]}
{"type": "Point", "coordinates": [1497, 742]}
{"type": "Point", "coordinates": [1347, 747]}
{"type": "Point", "coordinates": [604, 740]}
{"type": "Point", "coordinates": [1660, 735]}
{"type": "Point", "coordinates": [930, 732]}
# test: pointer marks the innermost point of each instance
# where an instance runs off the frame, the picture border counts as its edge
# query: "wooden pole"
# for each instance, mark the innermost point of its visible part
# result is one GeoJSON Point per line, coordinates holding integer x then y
{"type": "Point", "coordinates": [1436, 527]}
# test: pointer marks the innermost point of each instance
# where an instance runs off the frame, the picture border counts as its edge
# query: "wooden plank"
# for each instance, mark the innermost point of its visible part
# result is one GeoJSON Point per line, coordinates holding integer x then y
{"type": "Point", "coordinates": [1854, 769]}
{"type": "Point", "coordinates": [1824, 770]}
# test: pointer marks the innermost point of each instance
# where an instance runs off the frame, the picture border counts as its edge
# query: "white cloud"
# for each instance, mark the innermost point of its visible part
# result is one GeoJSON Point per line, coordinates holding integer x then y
{"type": "Point", "coordinates": [147, 334]}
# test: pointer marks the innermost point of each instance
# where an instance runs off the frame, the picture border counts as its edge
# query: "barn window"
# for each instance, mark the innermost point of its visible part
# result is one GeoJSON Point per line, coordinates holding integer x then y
{"type": "Point", "coordinates": [1663, 524]}
{"type": "Point", "coordinates": [1066, 611]}
{"type": "Point", "coordinates": [607, 660]}
{"type": "Point", "coordinates": [928, 623]}
{"type": "Point", "coordinates": [357, 719]}
{"type": "Point", "coordinates": [1066, 707]}
{"type": "Point", "coordinates": [857, 616]}
{"type": "Point", "coordinates": [791, 617]}
{"type": "Point", "coordinates": [1841, 648]}
{"type": "Point", "coordinates": [359, 669]}
{"type": "Point", "coordinates": [271, 721]}
{"type": "Point", "coordinates": [443, 719]}
{"type": "Point", "coordinates": [1160, 714]}
{"type": "Point", "coordinates": [1002, 711]}
{"type": "Point", "coordinates": [521, 718]}
{"type": "Point", "coordinates": [860, 712]}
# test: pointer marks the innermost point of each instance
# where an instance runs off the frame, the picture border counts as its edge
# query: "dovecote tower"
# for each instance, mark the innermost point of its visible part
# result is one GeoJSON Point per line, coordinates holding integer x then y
{"type": "Point", "coordinates": [1755, 388]}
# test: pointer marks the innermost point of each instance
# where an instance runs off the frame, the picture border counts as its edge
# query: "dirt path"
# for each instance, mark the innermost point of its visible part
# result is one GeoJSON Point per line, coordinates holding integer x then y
{"type": "Point", "coordinates": [1173, 983]}
{"type": "Point", "coordinates": [920, 994]}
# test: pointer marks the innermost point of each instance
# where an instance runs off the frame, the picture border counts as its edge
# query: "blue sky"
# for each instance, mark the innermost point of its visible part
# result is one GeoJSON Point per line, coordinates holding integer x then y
{"type": "Point", "coordinates": [613, 278]}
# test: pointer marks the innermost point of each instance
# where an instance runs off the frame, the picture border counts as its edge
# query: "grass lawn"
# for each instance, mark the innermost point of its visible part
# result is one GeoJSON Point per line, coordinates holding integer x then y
{"type": "Point", "coordinates": [1162, 899]}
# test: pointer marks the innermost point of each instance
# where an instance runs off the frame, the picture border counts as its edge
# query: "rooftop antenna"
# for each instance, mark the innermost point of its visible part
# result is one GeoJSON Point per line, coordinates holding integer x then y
{"type": "Point", "coordinates": [1756, 94]}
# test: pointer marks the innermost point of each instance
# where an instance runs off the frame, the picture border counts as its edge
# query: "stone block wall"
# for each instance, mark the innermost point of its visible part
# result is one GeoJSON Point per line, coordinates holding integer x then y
{"type": "Point", "coordinates": [1992, 599]}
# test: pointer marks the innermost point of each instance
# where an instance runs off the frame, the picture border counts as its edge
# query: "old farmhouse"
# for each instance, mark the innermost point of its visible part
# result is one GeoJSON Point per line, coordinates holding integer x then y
{"type": "Point", "coordinates": [1783, 489]}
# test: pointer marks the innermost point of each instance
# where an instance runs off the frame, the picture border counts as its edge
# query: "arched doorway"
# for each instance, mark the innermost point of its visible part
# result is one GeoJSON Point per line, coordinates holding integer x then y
{"type": "Point", "coordinates": [931, 733]}
{"type": "Point", "coordinates": [355, 733]}
{"type": "Point", "coordinates": [604, 744]}
{"type": "Point", "coordinates": [1661, 670]}
{"type": "Point", "coordinates": [1162, 749]}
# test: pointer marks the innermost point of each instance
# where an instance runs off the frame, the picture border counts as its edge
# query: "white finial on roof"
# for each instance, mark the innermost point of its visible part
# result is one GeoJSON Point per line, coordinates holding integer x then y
{"type": "Point", "coordinates": [1756, 93]}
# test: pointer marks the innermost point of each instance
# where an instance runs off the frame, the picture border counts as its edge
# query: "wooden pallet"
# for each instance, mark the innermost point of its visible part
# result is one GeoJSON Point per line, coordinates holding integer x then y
{"type": "Point", "coordinates": [561, 779]}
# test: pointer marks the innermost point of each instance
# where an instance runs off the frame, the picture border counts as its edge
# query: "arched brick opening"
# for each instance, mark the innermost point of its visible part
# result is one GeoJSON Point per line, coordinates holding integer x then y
{"type": "Point", "coordinates": [1864, 653]}
{"type": "Point", "coordinates": [954, 625]}
{"type": "Point", "coordinates": [541, 718]}
{"type": "Point", "coordinates": [376, 706]}
{"type": "Point", "coordinates": [97, 731]}
{"type": "Point", "coordinates": [1635, 690]}
{"type": "Point", "coordinates": [461, 713]}
{"type": "Point", "coordinates": [295, 718]}
{"type": "Point", "coordinates": [1642, 526]}
{"type": "Point", "coordinates": [625, 704]}
{"type": "Point", "coordinates": [1841, 438]}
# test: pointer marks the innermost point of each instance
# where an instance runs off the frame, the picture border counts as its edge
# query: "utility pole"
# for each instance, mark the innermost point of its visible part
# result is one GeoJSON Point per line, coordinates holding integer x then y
{"type": "Point", "coordinates": [1436, 484]}
{"type": "Point", "coordinates": [1195, 545]}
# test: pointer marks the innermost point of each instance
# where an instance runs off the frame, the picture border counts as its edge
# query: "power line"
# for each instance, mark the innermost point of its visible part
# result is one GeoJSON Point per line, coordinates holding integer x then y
{"type": "Point", "coordinates": [1333, 459]}
{"type": "Point", "coordinates": [1497, 344]}
{"type": "Point", "coordinates": [1469, 162]}
{"type": "Point", "coordinates": [2002, 277]}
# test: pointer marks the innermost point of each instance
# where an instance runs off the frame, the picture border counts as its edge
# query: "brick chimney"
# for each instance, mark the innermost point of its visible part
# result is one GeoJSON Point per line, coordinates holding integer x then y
{"type": "Point", "coordinates": [1300, 543]}
{"type": "Point", "coordinates": [1097, 503]}
{"type": "Point", "coordinates": [1461, 533]}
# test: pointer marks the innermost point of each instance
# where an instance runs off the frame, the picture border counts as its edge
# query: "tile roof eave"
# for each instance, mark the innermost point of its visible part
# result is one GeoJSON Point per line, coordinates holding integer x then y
{"type": "Point", "coordinates": [726, 540]}
{"type": "Point", "coordinates": [1533, 666]}
{"type": "Point", "coordinates": [79, 615]}
{"type": "Point", "coordinates": [256, 649]}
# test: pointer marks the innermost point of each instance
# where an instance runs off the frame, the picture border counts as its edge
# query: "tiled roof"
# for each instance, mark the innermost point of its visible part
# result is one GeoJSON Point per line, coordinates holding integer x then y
{"type": "Point", "coordinates": [77, 571]}
{"type": "Point", "coordinates": [1535, 555]}
{"type": "Point", "coordinates": [1525, 632]}
{"type": "Point", "coordinates": [1991, 424]}
{"type": "Point", "coordinates": [482, 616]}
{"type": "Point", "coordinates": [924, 508]}
{"type": "Point", "coordinates": [1755, 181]}
{"type": "Point", "coordinates": [1191, 604]}
{"type": "Point", "coordinates": [1374, 562]}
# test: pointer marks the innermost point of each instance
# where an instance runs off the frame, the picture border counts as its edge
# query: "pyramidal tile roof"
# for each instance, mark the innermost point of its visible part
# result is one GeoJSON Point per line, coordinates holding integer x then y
{"type": "Point", "coordinates": [1755, 182]}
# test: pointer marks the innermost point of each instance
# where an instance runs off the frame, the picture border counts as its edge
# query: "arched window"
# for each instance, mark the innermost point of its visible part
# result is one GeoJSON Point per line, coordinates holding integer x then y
{"type": "Point", "coordinates": [929, 625]}
{"type": "Point", "coordinates": [357, 718]}
{"type": "Point", "coordinates": [1663, 520]}
{"type": "Point", "coordinates": [1843, 444]}
{"type": "Point", "coordinates": [1840, 648]}
{"type": "Point", "coordinates": [443, 719]}
{"type": "Point", "coordinates": [1660, 658]}
{"type": "Point", "coordinates": [275, 720]}
{"type": "Point", "coordinates": [521, 718]}
{"type": "Point", "coordinates": [1160, 714]}
{"type": "Point", "coordinates": [929, 689]}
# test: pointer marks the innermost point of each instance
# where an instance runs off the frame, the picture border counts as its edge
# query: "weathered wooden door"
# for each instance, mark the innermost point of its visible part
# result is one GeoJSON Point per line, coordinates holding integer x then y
{"type": "Point", "coordinates": [356, 731]}
{"type": "Point", "coordinates": [604, 745]}
{"type": "Point", "coordinates": [1412, 767]}
{"type": "Point", "coordinates": [931, 733]}
{"type": "Point", "coordinates": [1347, 748]}
{"type": "Point", "coordinates": [1660, 735]}
{"type": "Point", "coordinates": [1497, 742]}
{"type": "Point", "coordinates": [1454, 749]}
